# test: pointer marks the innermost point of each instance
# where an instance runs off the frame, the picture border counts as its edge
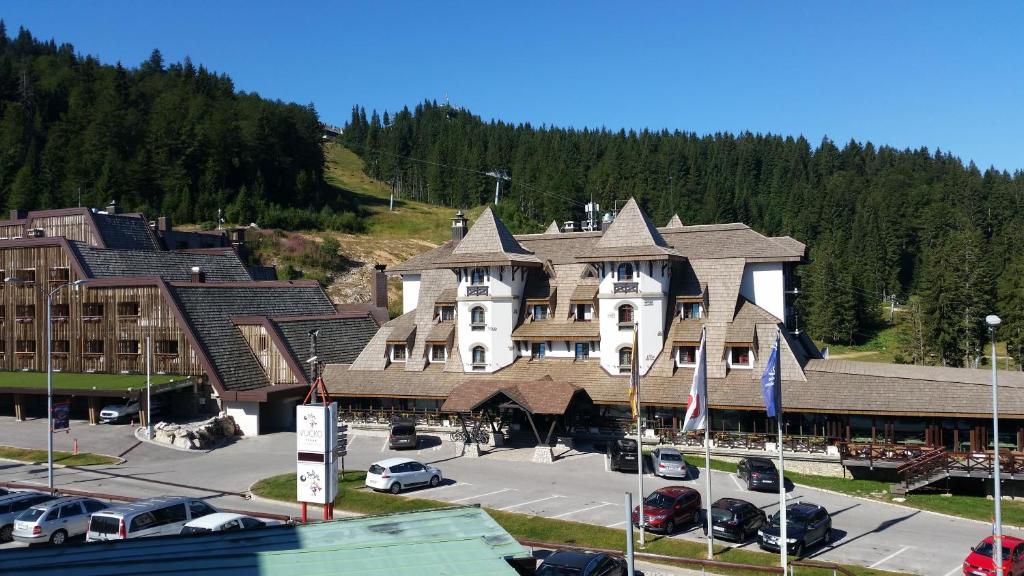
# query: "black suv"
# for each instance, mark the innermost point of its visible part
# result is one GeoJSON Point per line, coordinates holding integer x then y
{"type": "Point", "coordinates": [622, 455]}
{"type": "Point", "coordinates": [573, 563]}
{"type": "Point", "coordinates": [759, 473]}
{"type": "Point", "coordinates": [735, 519]}
{"type": "Point", "coordinates": [403, 434]}
{"type": "Point", "coordinates": [806, 525]}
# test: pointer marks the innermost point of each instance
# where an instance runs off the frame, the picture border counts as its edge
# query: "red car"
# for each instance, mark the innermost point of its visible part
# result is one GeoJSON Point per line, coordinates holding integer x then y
{"type": "Point", "coordinates": [980, 563]}
{"type": "Point", "coordinates": [669, 507]}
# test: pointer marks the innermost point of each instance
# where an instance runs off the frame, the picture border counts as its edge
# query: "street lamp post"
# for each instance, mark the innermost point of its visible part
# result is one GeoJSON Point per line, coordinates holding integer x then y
{"type": "Point", "coordinates": [993, 322]}
{"type": "Point", "coordinates": [49, 366]}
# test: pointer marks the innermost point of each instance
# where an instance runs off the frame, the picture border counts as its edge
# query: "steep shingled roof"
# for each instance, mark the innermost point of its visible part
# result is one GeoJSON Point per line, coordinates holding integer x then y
{"type": "Point", "coordinates": [674, 222]}
{"type": "Point", "coordinates": [170, 266]}
{"type": "Point", "coordinates": [125, 231]}
{"type": "Point", "coordinates": [631, 234]}
{"type": "Point", "coordinates": [339, 341]}
{"type": "Point", "coordinates": [552, 228]}
{"type": "Point", "coordinates": [489, 242]}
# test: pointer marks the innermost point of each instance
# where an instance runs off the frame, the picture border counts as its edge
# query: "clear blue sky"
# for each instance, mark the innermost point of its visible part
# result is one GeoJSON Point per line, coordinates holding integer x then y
{"type": "Point", "coordinates": [946, 75]}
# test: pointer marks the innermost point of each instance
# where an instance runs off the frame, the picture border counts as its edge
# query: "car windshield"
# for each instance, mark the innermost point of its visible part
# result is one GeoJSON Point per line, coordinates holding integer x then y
{"type": "Point", "coordinates": [376, 469]}
{"type": "Point", "coordinates": [550, 570]}
{"type": "Point", "coordinates": [721, 514]}
{"type": "Point", "coordinates": [403, 430]}
{"type": "Point", "coordinates": [31, 515]}
{"type": "Point", "coordinates": [986, 549]}
{"type": "Point", "coordinates": [793, 519]}
{"type": "Point", "coordinates": [658, 500]}
{"type": "Point", "coordinates": [669, 457]}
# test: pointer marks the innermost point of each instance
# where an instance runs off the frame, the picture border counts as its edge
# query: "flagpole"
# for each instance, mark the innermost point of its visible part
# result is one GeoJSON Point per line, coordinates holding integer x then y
{"type": "Point", "coordinates": [783, 538]}
{"type": "Point", "coordinates": [635, 374]}
{"type": "Point", "coordinates": [707, 445]}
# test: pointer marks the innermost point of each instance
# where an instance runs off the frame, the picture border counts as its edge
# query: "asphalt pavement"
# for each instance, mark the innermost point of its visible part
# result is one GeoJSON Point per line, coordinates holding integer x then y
{"type": "Point", "coordinates": [577, 487]}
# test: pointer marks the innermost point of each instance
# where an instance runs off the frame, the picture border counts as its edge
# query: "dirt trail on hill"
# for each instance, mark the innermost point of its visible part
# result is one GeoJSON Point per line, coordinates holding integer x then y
{"type": "Point", "coordinates": [353, 284]}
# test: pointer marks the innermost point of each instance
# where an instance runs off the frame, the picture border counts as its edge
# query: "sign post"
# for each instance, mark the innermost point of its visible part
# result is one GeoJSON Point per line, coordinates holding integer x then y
{"type": "Point", "coordinates": [317, 456]}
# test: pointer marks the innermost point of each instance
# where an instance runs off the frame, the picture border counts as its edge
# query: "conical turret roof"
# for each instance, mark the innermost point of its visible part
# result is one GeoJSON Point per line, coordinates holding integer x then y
{"type": "Point", "coordinates": [552, 228]}
{"type": "Point", "coordinates": [631, 235]}
{"type": "Point", "coordinates": [489, 242]}
{"type": "Point", "coordinates": [674, 222]}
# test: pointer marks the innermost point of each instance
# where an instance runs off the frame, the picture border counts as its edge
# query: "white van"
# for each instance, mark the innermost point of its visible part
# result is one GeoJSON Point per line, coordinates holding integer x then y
{"type": "Point", "coordinates": [150, 517]}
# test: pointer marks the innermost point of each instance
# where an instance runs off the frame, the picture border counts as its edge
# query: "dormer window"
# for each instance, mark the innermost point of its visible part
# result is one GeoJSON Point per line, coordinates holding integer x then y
{"type": "Point", "coordinates": [625, 316]}
{"type": "Point", "coordinates": [540, 312]}
{"type": "Point", "coordinates": [446, 313]}
{"type": "Point", "coordinates": [624, 271]}
{"type": "Point", "coordinates": [740, 357]}
{"type": "Point", "coordinates": [690, 310]}
{"type": "Point", "coordinates": [438, 353]}
{"type": "Point", "coordinates": [477, 276]}
{"type": "Point", "coordinates": [538, 350]}
{"type": "Point", "coordinates": [686, 356]}
{"type": "Point", "coordinates": [625, 360]}
{"type": "Point", "coordinates": [477, 318]}
{"type": "Point", "coordinates": [584, 312]}
{"type": "Point", "coordinates": [398, 352]}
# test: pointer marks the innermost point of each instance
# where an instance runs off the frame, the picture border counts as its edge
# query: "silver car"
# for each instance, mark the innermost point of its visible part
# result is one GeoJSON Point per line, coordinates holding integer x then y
{"type": "Point", "coordinates": [12, 505]}
{"type": "Point", "coordinates": [56, 521]}
{"type": "Point", "coordinates": [668, 462]}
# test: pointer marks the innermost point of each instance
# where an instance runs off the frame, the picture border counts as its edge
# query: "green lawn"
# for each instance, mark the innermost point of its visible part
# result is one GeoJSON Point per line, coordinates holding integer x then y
{"type": "Point", "coordinates": [65, 458]}
{"type": "Point", "coordinates": [353, 498]}
{"type": "Point", "coordinates": [76, 381]}
{"type": "Point", "coordinates": [973, 507]}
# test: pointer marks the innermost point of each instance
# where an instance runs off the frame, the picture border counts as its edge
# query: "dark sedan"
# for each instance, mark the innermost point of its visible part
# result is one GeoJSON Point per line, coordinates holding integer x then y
{"type": "Point", "coordinates": [579, 563]}
{"type": "Point", "coordinates": [622, 455]}
{"type": "Point", "coordinates": [734, 519]}
{"type": "Point", "coordinates": [806, 525]}
{"type": "Point", "coordinates": [758, 473]}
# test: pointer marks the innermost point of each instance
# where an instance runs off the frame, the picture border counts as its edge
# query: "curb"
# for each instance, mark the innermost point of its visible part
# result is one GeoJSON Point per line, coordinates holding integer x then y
{"type": "Point", "coordinates": [55, 465]}
{"type": "Point", "coordinates": [255, 498]}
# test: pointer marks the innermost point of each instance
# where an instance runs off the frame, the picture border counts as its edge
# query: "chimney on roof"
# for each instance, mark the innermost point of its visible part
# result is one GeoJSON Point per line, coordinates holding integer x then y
{"type": "Point", "coordinates": [198, 276]}
{"type": "Point", "coordinates": [459, 227]}
{"type": "Point", "coordinates": [163, 224]}
{"type": "Point", "coordinates": [113, 208]}
{"type": "Point", "coordinates": [380, 287]}
{"type": "Point", "coordinates": [607, 220]}
{"type": "Point", "coordinates": [17, 214]}
{"type": "Point", "coordinates": [237, 237]}
{"type": "Point", "coordinates": [569, 226]}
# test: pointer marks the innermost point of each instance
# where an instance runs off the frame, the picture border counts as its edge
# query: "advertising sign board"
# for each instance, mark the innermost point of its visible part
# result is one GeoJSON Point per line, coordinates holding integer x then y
{"type": "Point", "coordinates": [316, 437]}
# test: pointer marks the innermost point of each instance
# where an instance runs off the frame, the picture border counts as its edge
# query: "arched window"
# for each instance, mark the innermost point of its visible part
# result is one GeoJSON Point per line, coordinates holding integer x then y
{"type": "Point", "coordinates": [479, 355]}
{"type": "Point", "coordinates": [477, 318]}
{"type": "Point", "coordinates": [625, 314]}
{"type": "Point", "coordinates": [625, 359]}
{"type": "Point", "coordinates": [625, 271]}
{"type": "Point", "coordinates": [476, 277]}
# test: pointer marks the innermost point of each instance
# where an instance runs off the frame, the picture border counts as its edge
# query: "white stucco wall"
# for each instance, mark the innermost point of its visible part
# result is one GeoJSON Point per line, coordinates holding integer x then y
{"type": "Point", "coordinates": [410, 292]}
{"type": "Point", "coordinates": [764, 285]}
{"type": "Point", "coordinates": [501, 306]}
{"type": "Point", "coordinates": [246, 415]}
{"type": "Point", "coordinates": [648, 308]}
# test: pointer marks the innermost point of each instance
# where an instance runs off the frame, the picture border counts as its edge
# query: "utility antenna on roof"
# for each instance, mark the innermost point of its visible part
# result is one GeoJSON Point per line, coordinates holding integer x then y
{"type": "Point", "coordinates": [220, 219]}
{"type": "Point", "coordinates": [498, 176]}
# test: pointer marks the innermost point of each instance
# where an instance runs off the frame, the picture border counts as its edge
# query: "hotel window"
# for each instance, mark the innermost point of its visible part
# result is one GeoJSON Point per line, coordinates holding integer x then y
{"type": "Point", "coordinates": [438, 353]}
{"type": "Point", "coordinates": [740, 357]}
{"type": "Point", "coordinates": [537, 350]}
{"type": "Point", "coordinates": [447, 313]}
{"type": "Point", "coordinates": [477, 276]}
{"type": "Point", "coordinates": [127, 346]}
{"type": "Point", "coordinates": [540, 311]}
{"type": "Point", "coordinates": [625, 316]}
{"type": "Point", "coordinates": [686, 355]}
{"type": "Point", "coordinates": [59, 311]}
{"type": "Point", "coordinates": [128, 309]}
{"type": "Point", "coordinates": [625, 360]}
{"type": "Point", "coordinates": [477, 318]}
{"type": "Point", "coordinates": [94, 346]}
{"type": "Point", "coordinates": [92, 309]}
{"type": "Point", "coordinates": [583, 312]}
{"type": "Point", "coordinates": [625, 271]}
{"type": "Point", "coordinates": [167, 347]}
{"type": "Point", "coordinates": [60, 275]}
{"type": "Point", "coordinates": [25, 346]}
{"type": "Point", "coordinates": [479, 358]}
{"type": "Point", "coordinates": [3, 346]}
{"type": "Point", "coordinates": [25, 311]}
{"type": "Point", "coordinates": [61, 346]}
{"type": "Point", "coordinates": [582, 350]}
{"type": "Point", "coordinates": [398, 352]}
{"type": "Point", "coordinates": [27, 275]}
{"type": "Point", "coordinates": [691, 310]}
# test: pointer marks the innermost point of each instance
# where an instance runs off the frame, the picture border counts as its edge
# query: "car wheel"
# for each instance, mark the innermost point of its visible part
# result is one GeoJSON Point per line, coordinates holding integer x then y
{"type": "Point", "coordinates": [395, 488]}
{"type": "Point", "coordinates": [58, 537]}
{"type": "Point", "coordinates": [6, 533]}
{"type": "Point", "coordinates": [670, 527]}
{"type": "Point", "coordinates": [828, 537]}
{"type": "Point", "coordinates": [434, 481]}
{"type": "Point", "coordinates": [798, 551]}
{"type": "Point", "coordinates": [697, 518]}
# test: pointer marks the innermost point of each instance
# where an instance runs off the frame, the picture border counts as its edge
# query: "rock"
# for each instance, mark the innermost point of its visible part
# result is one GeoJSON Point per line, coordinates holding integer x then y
{"type": "Point", "coordinates": [163, 437]}
{"type": "Point", "coordinates": [182, 442]}
{"type": "Point", "coordinates": [227, 424]}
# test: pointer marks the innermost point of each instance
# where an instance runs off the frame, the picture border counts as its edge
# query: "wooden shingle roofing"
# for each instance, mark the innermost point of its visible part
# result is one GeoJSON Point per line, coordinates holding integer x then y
{"type": "Point", "coordinates": [550, 330]}
{"type": "Point", "coordinates": [489, 242]}
{"type": "Point", "coordinates": [630, 235]}
{"type": "Point", "coordinates": [544, 396]}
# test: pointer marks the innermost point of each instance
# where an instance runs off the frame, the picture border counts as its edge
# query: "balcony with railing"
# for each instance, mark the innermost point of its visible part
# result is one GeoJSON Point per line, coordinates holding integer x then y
{"type": "Point", "coordinates": [477, 291]}
{"type": "Point", "coordinates": [626, 287]}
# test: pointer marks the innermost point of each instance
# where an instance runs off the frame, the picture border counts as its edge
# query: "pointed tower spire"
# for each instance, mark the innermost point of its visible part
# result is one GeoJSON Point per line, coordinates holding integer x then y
{"type": "Point", "coordinates": [674, 222]}
{"type": "Point", "coordinates": [490, 242]}
{"type": "Point", "coordinates": [552, 228]}
{"type": "Point", "coordinates": [631, 235]}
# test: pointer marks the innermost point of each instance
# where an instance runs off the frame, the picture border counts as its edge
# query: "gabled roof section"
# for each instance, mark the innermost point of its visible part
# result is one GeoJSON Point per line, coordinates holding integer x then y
{"type": "Point", "coordinates": [125, 231]}
{"type": "Point", "coordinates": [674, 222]}
{"type": "Point", "coordinates": [543, 396]}
{"type": "Point", "coordinates": [631, 235]}
{"type": "Point", "coordinates": [341, 337]}
{"type": "Point", "coordinates": [748, 317]}
{"type": "Point", "coordinates": [734, 240]}
{"type": "Point", "coordinates": [552, 228]}
{"type": "Point", "coordinates": [222, 266]}
{"type": "Point", "coordinates": [489, 242]}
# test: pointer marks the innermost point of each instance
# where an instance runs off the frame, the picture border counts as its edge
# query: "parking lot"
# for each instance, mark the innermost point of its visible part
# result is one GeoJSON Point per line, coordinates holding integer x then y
{"type": "Point", "coordinates": [577, 487]}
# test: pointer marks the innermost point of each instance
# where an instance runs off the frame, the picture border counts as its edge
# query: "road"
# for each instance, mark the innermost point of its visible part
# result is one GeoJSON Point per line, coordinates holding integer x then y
{"type": "Point", "coordinates": [577, 487]}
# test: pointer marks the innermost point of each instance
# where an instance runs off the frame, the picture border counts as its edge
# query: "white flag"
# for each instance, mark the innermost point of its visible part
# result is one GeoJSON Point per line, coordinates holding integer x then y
{"type": "Point", "coordinates": [697, 403]}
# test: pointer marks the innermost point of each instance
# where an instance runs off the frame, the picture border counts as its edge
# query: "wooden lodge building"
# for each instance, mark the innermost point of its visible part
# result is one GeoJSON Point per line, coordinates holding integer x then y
{"type": "Point", "coordinates": [229, 338]}
{"type": "Point", "coordinates": [490, 318]}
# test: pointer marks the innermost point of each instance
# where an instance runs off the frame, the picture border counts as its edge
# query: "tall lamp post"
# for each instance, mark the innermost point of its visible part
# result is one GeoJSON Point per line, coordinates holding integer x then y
{"type": "Point", "coordinates": [49, 364]}
{"type": "Point", "coordinates": [993, 322]}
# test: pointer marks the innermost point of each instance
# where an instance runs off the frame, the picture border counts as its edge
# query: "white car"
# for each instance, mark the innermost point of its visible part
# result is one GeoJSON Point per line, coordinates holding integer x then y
{"type": "Point", "coordinates": [225, 522]}
{"type": "Point", "coordinates": [395, 474]}
{"type": "Point", "coordinates": [115, 412]}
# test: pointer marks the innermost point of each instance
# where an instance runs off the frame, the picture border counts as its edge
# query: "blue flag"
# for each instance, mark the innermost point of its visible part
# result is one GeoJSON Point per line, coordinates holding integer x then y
{"type": "Point", "coordinates": [771, 382]}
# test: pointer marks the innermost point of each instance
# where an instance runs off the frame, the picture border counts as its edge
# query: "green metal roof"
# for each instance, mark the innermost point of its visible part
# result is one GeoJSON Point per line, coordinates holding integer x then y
{"type": "Point", "coordinates": [450, 541]}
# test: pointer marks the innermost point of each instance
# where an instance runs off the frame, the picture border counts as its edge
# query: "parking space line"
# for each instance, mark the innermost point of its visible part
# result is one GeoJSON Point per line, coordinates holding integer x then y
{"type": "Point", "coordinates": [482, 495]}
{"type": "Point", "coordinates": [616, 524]}
{"type": "Point", "coordinates": [530, 502]}
{"type": "Point", "coordinates": [456, 484]}
{"type": "Point", "coordinates": [384, 445]}
{"type": "Point", "coordinates": [890, 557]}
{"type": "Point", "coordinates": [601, 505]}
{"type": "Point", "coordinates": [736, 481]}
